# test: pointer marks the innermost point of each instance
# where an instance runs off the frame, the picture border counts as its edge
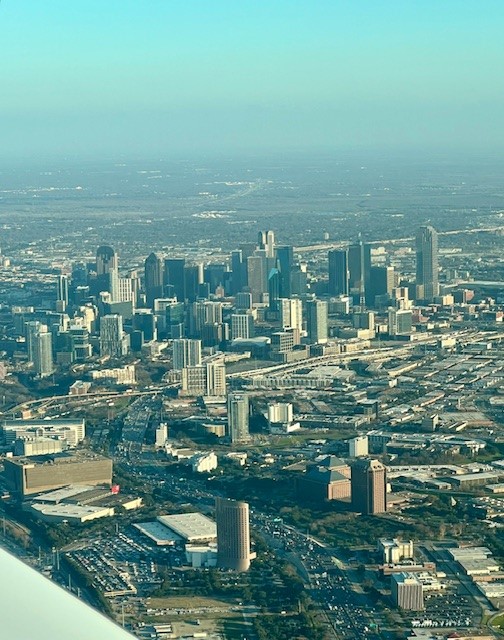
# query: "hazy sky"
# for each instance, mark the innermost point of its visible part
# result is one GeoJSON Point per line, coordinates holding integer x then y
{"type": "Point", "coordinates": [160, 76]}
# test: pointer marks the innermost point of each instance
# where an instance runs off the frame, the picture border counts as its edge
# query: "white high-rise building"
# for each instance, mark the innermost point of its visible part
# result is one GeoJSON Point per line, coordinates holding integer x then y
{"type": "Point", "coordinates": [161, 434]}
{"type": "Point", "coordinates": [291, 316]}
{"type": "Point", "coordinates": [242, 325]}
{"type": "Point", "coordinates": [358, 447]}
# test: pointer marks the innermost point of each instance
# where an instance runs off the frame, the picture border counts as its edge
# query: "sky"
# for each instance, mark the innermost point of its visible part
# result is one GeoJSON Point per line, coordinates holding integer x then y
{"type": "Point", "coordinates": [156, 77]}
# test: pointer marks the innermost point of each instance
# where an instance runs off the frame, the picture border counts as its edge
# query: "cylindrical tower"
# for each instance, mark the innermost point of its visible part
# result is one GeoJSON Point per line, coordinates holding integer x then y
{"type": "Point", "coordinates": [233, 534]}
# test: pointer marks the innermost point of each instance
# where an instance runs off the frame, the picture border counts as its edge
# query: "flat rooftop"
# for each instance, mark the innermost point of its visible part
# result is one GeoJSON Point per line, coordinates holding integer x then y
{"type": "Point", "coordinates": [192, 527]}
{"type": "Point", "coordinates": [70, 511]}
{"type": "Point", "coordinates": [62, 494]}
{"type": "Point", "coordinates": [158, 533]}
{"type": "Point", "coordinates": [82, 455]}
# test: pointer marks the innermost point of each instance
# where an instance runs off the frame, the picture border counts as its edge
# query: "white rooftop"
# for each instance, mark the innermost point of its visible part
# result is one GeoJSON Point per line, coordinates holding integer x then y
{"type": "Point", "coordinates": [192, 527]}
{"type": "Point", "coordinates": [157, 532]}
{"type": "Point", "coordinates": [61, 494]}
{"type": "Point", "coordinates": [70, 510]}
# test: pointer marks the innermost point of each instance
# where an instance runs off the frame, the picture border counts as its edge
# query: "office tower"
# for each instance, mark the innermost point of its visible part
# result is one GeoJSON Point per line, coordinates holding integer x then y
{"type": "Point", "coordinates": [106, 260]}
{"type": "Point", "coordinates": [238, 267]}
{"type": "Point", "coordinates": [213, 312]}
{"type": "Point", "coordinates": [174, 276]}
{"type": "Point", "coordinates": [368, 263]}
{"type": "Point", "coordinates": [358, 447]}
{"type": "Point", "coordinates": [407, 591]}
{"type": "Point", "coordinates": [125, 291]}
{"type": "Point", "coordinates": [242, 325]}
{"type": "Point", "coordinates": [175, 320]}
{"type": "Point", "coordinates": [31, 329]}
{"type": "Point", "coordinates": [216, 378]}
{"type": "Point", "coordinates": [381, 283]}
{"type": "Point", "coordinates": [193, 277]}
{"type": "Point", "coordinates": [79, 274]}
{"type": "Point", "coordinates": [186, 353]}
{"type": "Point", "coordinates": [266, 242]}
{"type": "Point", "coordinates": [273, 289]}
{"type": "Point", "coordinates": [113, 342]}
{"type": "Point", "coordinates": [400, 322]}
{"type": "Point", "coordinates": [144, 320]}
{"type": "Point", "coordinates": [285, 262]}
{"type": "Point", "coordinates": [243, 300]}
{"type": "Point", "coordinates": [316, 321]}
{"type": "Point", "coordinates": [364, 320]}
{"type": "Point", "coordinates": [79, 340]}
{"type": "Point", "coordinates": [356, 266]}
{"type": "Point", "coordinates": [257, 275]}
{"type": "Point", "coordinates": [233, 534]}
{"type": "Point", "coordinates": [291, 317]}
{"type": "Point", "coordinates": [215, 276]}
{"type": "Point", "coordinates": [42, 352]}
{"type": "Point", "coordinates": [427, 263]}
{"type": "Point", "coordinates": [161, 435]}
{"type": "Point", "coordinates": [153, 279]}
{"type": "Point", "coordinates": [202, 314]}
{"type": "Point", "coordinates": [208, 379]}
{"type": "Point", "coordinates": [369, 486]}
{"type": "Point", "coordinates": [299, 280]}
{"type": "Point", "coordinates": [113, 277]}
{"type": "Point", "coordinates": [62, 293]}
{"type": "Point", "coordinates": [107, 274]}
{"type": "Point", "coordinates": [238, 417]}
{"type": "Point", "coordinates": [281, 342]}
{"type": "Point", "coordinates": [338, 272]}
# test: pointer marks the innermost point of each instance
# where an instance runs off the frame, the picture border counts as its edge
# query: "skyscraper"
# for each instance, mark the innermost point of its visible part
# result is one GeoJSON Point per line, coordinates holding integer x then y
{"type": "Point", "coordinates": [338, 272]}
{"type": "Point", "coordinates": [174, 276]}
{"type": "Point", "coordinates": [274, 289]}
{"type": "Point", "coordinates": [359, 267]}
{"type": "Point", "coordinates": [31, 329]}
{"type": "Point", "coordinates": [153, 278]}
{"type": "Point", "coordinates": [427, 263]}
{"type": "Point", "coordinates": [381, 283]}
{"type": "Point", "coordinates": [285, 263]}
{"type": "Point", "coordinates": [62, 293]}
{"type": "Point", "coordinates": [113, 341]}
{"type": "Point", "coordinates": [42, 352]}
{"type": "Point", "coordinates": [107, 274]}
{"type": "Point", "coordinates": [186, 353]}
{"type": "Point", "coordinates": [193, 277]}
{"type": "Point", "coordinates": [316, 321]}
{"type": "Point", "coordinates": [291, 316]}
{"type": "Point", "coordinates": [369, 486]}
{"type": "Point", "coordinates": [106, 259]}
{"type": "Point", "coordinates": [257, 275]}
{"type": "Point", "coordinates": [266, 241]}
{"type": "Point", "coordinates": [237, 269]}
{"type": "Point", "coordinates": [238, 417]}
{"type": "Point", "coordinates": [233, 534]}
{"type": "Point", "coordinates": [242, 325]}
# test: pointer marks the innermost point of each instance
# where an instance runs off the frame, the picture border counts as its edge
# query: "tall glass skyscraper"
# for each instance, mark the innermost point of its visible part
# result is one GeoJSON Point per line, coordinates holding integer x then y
{"type": "Point", "coordinates": [427, 263]}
